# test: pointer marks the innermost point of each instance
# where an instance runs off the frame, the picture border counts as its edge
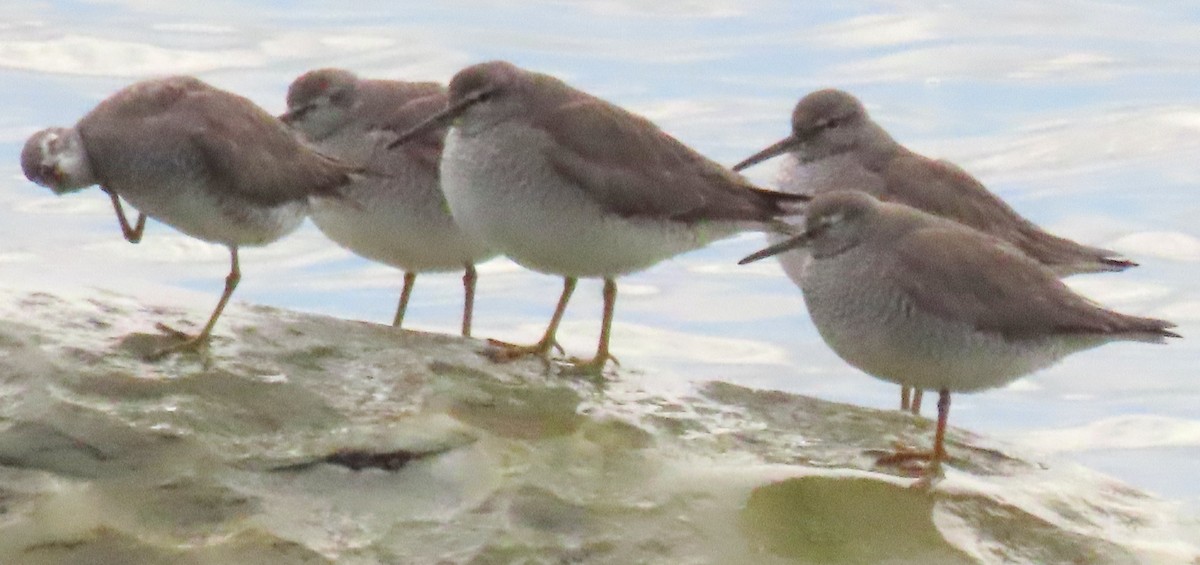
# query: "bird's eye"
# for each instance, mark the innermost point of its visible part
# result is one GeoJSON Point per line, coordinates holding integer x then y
{"type": "Point", "coordinates": [299, 113]}
{"type": "Point", "coordinates": [832, 123]}
{"type": "Point", "coordinates": [485, 95]}
{"type": "Point", "coordinates": [340, 98]}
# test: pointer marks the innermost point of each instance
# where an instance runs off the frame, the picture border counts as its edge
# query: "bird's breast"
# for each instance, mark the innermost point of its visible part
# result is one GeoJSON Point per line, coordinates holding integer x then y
{"type": "Point", "coordinates": [866, 318]}
{"type": "Point", "coordinates": [501, 185]}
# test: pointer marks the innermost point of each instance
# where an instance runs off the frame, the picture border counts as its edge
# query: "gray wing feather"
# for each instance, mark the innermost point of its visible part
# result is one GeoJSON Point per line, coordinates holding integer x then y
{"type": "Point", "coordinates": [379, 100]}
{"type": "Point", "coordinates": [180, 125]}
{"type": "Point", "coordinates": [962, 275]}
{"type": "Point", "coordinates": [254, 154]}
{"type": "Point", "coordinates": [633, 169]}
{"type": "Point", "coordinates": [944, 189]}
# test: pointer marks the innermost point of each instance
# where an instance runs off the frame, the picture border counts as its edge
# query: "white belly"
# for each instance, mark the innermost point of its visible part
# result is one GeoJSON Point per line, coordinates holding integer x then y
{"type": "Point", "coordinates": [191, 209]}
{"type": "Point", "coordinates": [499, 186]}
{"type": "Point", "coordinates": [868, 323]}
{"type": "Point", "coordinates": [390, 233]}
{"type": "Point", "coordinates": [396, 215]}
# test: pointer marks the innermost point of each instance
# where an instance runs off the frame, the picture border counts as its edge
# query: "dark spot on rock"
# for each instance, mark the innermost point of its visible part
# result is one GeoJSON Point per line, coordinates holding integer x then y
{"type": "Point", "coordinates": [359, 459]}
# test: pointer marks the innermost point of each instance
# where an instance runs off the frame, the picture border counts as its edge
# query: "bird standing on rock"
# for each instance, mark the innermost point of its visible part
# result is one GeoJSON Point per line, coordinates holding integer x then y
{"type": "Point", "coordinates": [207, 162]}
{"type": "Point", "coordinates": [565, 183]}
{"type": "Point", "coordinates": [922, 301]}
{"type": "Point", "coordinates": [836, 145]}
{"type": "Point", "coordinates": [396, 213]}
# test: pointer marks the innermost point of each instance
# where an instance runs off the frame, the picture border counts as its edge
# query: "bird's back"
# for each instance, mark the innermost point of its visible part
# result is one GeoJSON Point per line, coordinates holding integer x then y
{"type": "Point", "coordinates": [207, 162]}
{"type": "Point", "coordinates": [930, 303]}
{"type": "Point", "coordinates": [179, 129]}
{"type": "Point", "coordinates": [635, 170]}
{"type": "Point", "coordinates": [944, 189]}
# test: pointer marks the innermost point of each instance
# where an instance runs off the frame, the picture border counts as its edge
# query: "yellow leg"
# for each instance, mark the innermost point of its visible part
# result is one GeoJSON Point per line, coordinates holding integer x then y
{"type": "Point", "coordinates": [132, 234]}
{"type": "Point", "coordinates": [595, 365]}
{"type": "Point", "coordinates": [410, 279]}
{"type": "Point", "coordinates": [200, 342]}
{"type": "Point", "coordinates": [502, 351]}
{"type": "Point", "coordinates": [932, 469]}
{"type": "Point", "coordinates": [469, 278]}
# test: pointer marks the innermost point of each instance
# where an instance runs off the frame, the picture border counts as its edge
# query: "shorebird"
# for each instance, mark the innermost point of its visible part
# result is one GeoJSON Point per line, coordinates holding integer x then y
{"type": "Point", "coordinates": [396, 214]}
{"type": "Point", "coordinates": [565, 183]}
{"type": "Point", "coordinates": [835, 144]}
{"type": "Point", "coordinates": [207, 162]}
{"type": "Point", "coordinates": [922, 301]}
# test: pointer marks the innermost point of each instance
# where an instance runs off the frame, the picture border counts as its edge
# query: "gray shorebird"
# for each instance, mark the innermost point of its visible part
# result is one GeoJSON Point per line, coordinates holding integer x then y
{"type": "Point", "coordinates": [396, 213]}
{"type": "Point", "coordinates": [207, 162]}
{"type": "Point", "coordinates": [834, 145]}
{"type": "Point", "coordinates": [566, 183]}
{"type": "Point", "coordinates": [929, 303]}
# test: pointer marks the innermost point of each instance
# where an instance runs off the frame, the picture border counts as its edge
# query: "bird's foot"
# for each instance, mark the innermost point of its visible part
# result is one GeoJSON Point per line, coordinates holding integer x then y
{"type": "Point", "coordinates": [187, 343]}
{"type": "Point", "coordinates": [593, 367]}
{"type": "Point", "coordinates": [505, 352]}
{"type": "Point", "coordinates": [924, 465]}
{"type": "Point", "coordinates": [931, 475]}
{"type": "Point", "coordinates": [172, 332]}
{"type": "Point", "coordinates": [908, 459]}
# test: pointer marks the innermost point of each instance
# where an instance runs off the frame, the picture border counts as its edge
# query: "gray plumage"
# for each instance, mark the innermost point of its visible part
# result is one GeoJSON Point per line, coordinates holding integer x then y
{"type": "Point", "coordinates": [365, 101]}
{"type": "Point", "coordinates": [396, 212]}
{"type": "Point", "coordinates": [624, 163]}
{"type": "Point", "coordinates": [835, 145]}
{"type": "Point", "coordinates": [918, 300]}
{"type": "Point", "coordinates": [207, 162]}
{"type": "Point", "coordinates": [925, 302]}
{"type": "Point", "coordinates": [569, 184]}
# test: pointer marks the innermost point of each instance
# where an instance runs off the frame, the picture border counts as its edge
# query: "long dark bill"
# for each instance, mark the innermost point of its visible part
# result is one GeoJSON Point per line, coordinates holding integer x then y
{"type": "Point", "coordinates": [292, 115]}
{"type": "Point", "coordinates": [439, 119]}
{"type": "Point", "coordinates": [779, 148]}
{"type": "Point", "coordinates": [785, 245]}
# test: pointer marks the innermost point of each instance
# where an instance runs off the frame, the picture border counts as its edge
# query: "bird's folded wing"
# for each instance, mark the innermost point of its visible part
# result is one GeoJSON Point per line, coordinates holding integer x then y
{"type": "Point", "coordinates": [632, 169]}
{"type": "Point", "coordinates": [253, 154]}
{"type": "Point", "coordinates": [379, 100]}
{"type": "Point", "coordinates": [943, 189]}
{"type": "Point", "coordinates": [961, 275]}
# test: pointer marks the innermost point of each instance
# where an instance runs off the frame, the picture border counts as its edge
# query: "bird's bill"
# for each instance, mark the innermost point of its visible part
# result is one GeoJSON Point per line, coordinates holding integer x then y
{"type": "Point", "coordinates": [52, 177]}
{"type": "Point", "coordinates": [289, 116]}
{"type": "Point", "coordinates": [295, 114]}
{"type": "Point", "coordinates": [785, 245]}
{"type": "Point", "coordinates": [440, 119]}
{"type": "Point", "coordinates": [779, 148]}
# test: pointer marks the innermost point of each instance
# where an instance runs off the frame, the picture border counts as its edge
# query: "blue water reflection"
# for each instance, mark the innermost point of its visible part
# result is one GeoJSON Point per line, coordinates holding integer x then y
{"type": "Point", "coordinates": [1084, 116]}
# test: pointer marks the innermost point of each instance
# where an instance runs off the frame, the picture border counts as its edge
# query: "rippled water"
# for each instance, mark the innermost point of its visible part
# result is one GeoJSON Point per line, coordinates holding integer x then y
{"type": "Point", "coordinates": [1084, 116]}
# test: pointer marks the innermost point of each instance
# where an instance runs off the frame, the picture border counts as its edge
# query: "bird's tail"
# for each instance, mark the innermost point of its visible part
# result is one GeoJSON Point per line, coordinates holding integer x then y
{"type": "Point", "coordinates": [1066, 257]}
{"type": "Point", "coordinates": [784, 203]}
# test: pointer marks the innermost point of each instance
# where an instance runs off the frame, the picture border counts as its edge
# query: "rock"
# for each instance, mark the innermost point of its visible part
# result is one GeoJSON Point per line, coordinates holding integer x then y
{"type": "Point", "coordinates": [306, 439]}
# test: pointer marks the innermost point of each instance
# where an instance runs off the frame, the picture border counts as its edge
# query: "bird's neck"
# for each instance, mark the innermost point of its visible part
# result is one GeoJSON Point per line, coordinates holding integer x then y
{"type": "Point", "coordinates": [876, 146]}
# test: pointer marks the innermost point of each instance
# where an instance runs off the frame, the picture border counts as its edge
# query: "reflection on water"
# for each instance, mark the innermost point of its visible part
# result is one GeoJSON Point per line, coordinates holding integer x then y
{"type": "Point", "coordinates": [1086, 121]}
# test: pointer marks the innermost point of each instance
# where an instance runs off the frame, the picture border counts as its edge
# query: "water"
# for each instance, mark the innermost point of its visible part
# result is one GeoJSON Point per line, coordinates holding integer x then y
{"type": "Point", "coordinates": [1084, 117]}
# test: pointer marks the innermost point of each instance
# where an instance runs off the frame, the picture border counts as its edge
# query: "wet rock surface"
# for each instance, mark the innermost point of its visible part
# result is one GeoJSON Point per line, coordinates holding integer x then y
{"type": "Point", "coordinates": [306, 439]}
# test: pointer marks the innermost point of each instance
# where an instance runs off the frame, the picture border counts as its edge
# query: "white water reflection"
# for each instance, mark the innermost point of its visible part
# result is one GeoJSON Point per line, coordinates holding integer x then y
{"type": "Point", "coordinates": [1084, 116]}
